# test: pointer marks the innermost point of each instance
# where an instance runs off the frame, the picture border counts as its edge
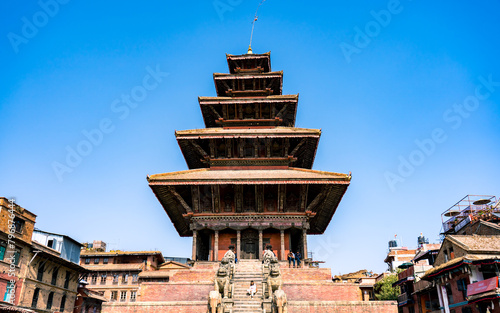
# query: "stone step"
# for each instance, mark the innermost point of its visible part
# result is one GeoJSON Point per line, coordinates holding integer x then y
{"type": "Point", "coordinates": [246, 271]}
{"type": "Point", "coordinates": [244, 294]}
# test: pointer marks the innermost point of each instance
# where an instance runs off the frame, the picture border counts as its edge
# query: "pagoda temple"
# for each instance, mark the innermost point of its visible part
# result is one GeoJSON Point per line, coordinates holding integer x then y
{"type": "Point", "coordinates": [250, 181]}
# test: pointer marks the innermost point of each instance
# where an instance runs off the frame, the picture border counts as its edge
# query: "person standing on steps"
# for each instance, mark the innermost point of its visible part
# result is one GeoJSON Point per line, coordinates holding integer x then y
{"type": "Point", "coordinates": [291, 258]}
{"type": "Point", "coordinates": [252, 289]}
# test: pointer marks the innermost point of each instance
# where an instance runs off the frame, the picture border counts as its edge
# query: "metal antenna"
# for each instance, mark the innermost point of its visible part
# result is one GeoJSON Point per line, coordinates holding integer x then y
{"type": "Point", "coordinates": [253, 25]}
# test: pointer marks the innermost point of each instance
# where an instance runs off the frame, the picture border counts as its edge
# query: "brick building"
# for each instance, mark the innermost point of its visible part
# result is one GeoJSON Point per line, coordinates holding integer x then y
{"type": "Point", "coordinates": [466, 273]}
{"type": "Point", "coordinates": [88, 301]}
{"type": "Point", "coordinates": [44, 281]}
{"type": "Point", "coordinates": [365, 279]}
{"type": "Point", "coordinates": [15, 252]}
{"type": "Point", "coordinates": [464, 276]}
{"type": "Point", "coordinates": [115, 274]}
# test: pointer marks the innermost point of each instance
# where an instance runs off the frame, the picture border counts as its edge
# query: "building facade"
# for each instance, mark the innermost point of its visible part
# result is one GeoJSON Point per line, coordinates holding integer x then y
{"type": "Point", "coordinates": [65, 245]}
{"type": "Point", "coordinates": [115, 274]}
{"type": "Point", "coordinates": [43, 280]}
{"type": "Point", "coordinates": [16, 229]}
{"type": "Point", "coordinates": [464, 270]}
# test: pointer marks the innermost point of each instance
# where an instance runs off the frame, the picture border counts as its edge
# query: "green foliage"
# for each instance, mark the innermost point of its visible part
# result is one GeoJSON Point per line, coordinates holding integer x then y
{"type": "Point", "coordinates": [384, 290]}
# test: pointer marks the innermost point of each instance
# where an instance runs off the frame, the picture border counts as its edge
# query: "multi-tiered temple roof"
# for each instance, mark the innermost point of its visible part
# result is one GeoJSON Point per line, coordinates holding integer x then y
{"type": "Point", "coordinates": [250, 167]}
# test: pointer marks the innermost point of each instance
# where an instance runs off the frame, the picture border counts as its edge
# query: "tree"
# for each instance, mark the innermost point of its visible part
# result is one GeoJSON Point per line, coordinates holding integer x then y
{"type": "Point", "coordinates": [384, 290]}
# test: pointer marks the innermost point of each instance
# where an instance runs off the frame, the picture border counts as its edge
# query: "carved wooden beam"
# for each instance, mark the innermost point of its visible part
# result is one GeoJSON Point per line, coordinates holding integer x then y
{"type": "Point", "coordinates": [297, 147]}
{"type": "Point", "coordinates": [199, 148]}
{"type": "Point", "coordinates": [282, 111]}
{"type": "Point", "coordinates": [320, 197]}
{"type": "Point", "coordinates": [225, 84]}
{"type": "Point", "coordinates": [179, 198]}
{"type": "Point", "coordinates": [214, 111]}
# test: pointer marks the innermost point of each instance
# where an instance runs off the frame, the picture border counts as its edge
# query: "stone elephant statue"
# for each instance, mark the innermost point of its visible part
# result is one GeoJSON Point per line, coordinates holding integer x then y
{"type": "Point", "coordinates": [279, 302]}
{"type": "Point", "coordinates": [214, 302]}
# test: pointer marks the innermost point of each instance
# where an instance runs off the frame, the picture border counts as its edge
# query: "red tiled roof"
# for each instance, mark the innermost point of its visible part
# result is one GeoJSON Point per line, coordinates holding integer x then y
{"type": "Point", "coordinates": [207, 176]}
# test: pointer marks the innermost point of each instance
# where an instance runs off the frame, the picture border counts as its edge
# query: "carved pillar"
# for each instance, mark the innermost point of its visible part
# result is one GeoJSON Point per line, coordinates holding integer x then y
{"type": "Point", "coordinates": [238, 244]}
{"type": "Point", "coordinates": [195, 193]}
{"type": "Point", "coordinates": [240, 111]}
{"type": "Point", "coordinates": [241, 145]}
{"type": "Point", "coordinates": [212, 148]}
{"type": "Point", "coordinates": [238, 190]}
{"type": "Point", "coordinates": [215, 198]}
{"type": "Point", "coordinates": [224, 111]}
{"type": "Point", "coordinates": [304, 241]}
{"type": "Point", "coordinates": [195, 235]}
{"type": "Point", "coordinates": [260, 244]}
{"type": "Point", "coordinates": [303, 197]}
{"type": "Point", "coordinates": [229, 148]}
{"type": "Point", "coordinates": [216, 246]}
{"type": "Point", "coordinates": [282, 237]}
{"type": "Point", "coordinates": [259, 198]}
{"type": "Point", "coordinates": [287, 146]}
{"type": "Point", "coordinates": [268, 147]}
{"type": "Point", "coordinates": [281, 197]}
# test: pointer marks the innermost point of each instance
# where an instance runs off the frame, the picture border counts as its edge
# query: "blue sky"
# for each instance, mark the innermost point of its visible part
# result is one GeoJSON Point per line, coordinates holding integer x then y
{"type": "Point", "coordinates": [406, 93]}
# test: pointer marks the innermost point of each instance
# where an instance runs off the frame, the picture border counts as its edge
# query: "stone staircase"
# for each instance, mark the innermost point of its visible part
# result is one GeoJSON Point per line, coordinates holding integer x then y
{"type": "Point", "coordinates": [246, 271]}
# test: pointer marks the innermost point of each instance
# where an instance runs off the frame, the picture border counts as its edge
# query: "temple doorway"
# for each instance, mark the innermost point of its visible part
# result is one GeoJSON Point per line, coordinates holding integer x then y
{"type": "Point", "coordinates": [203, 245]}
{"type": "Point", "coordinates": [249, 244]}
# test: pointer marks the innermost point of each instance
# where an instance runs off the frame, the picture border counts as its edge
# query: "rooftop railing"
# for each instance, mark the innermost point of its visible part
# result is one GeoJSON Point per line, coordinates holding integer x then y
{"type": "Point", "coordinates": [465, 210]}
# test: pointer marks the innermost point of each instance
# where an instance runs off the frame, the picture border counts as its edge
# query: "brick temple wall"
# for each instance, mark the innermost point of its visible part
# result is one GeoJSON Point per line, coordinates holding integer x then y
{"type": "Point", "coordinates": [342, 307]}
{"type": "Point", "coordinates": [156, 307]}
{"type": "Point", "coordinates": [309, 290]}
{"type": "Point", "coordinates": [315, 284]}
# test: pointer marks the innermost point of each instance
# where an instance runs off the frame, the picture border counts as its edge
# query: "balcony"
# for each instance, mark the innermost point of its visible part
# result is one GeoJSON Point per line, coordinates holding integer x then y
{"type": "Point", "coordinates": [422, 285]}
{"type": "Point", "coordinates": [404, 299]}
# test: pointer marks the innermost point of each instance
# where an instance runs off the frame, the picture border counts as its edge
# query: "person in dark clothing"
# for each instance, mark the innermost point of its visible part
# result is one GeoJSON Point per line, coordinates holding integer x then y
{"type": "Point", "coordinates": [298, 257]}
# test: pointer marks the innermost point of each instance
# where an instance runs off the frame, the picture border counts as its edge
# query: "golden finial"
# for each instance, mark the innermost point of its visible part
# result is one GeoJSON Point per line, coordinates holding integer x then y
{"type": "Point", "coordinates": [253, 25]}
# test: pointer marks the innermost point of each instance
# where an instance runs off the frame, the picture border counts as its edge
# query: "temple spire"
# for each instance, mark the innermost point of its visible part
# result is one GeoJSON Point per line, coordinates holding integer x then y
{"type": "Point", "coordinates": [253, 25]}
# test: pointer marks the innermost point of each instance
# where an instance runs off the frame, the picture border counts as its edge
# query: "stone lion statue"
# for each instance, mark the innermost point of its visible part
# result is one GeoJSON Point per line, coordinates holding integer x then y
{"type": "Point", "coordinates": [274, 281]}
{"type": "Point", "coordinates": [279, 302]}
{"type": "Point", "coordinates": [214, 302]}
